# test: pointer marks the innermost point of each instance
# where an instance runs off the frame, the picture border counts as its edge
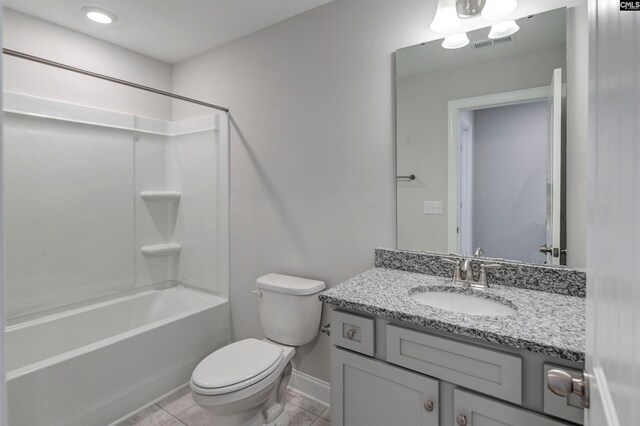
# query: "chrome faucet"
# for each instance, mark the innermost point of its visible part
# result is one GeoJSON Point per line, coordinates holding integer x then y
{"type": "Point", "coordinates": [467, 270]}
{"type": "Point", "coordinates": [463, 272]}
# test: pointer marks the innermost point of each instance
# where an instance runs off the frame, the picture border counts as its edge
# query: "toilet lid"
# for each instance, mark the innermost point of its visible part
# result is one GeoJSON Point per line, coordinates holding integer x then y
{"type": "Point", "coordinates": [245, 362]}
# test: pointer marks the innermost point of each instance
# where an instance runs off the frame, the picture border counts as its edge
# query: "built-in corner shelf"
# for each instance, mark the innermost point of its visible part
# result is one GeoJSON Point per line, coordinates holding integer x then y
{"type": "Point", "coordinates": [160, 195]}
{"type": "Point", "coordinates": [161, 249]}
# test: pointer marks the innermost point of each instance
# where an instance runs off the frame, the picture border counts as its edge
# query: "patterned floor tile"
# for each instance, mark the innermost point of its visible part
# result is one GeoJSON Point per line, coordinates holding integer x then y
{"type": "Point", "coordinates": [308, 405]}
{"type": "Point", "coordinates": [196, 416]}
{"type": "Point", "coordinates": [326, 414]}
{"type": "Point", "coordinates": [298, 416]}
{"type": "Point", "coordinates": [150, 416]}
{"type": "Point", "coordinates": [179, 401]}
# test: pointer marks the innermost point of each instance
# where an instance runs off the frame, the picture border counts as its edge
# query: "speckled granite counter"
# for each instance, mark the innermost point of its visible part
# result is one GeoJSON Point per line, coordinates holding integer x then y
{"type": "Point", "coordinates": [544, 322]}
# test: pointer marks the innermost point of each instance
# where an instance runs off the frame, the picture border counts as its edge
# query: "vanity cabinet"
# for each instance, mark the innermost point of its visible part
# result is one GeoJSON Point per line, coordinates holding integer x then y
{"type": "Point", "coordinates": [385, 374]}
{"type": "Point", "coordinates": [474, 410]}
{"type": "Point", "coordinates": [368, 392]}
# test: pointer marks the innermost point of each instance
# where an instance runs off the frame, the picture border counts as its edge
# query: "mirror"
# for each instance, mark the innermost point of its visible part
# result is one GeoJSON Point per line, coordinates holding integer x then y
{"type": "Point", "coordinates": [480, 134]}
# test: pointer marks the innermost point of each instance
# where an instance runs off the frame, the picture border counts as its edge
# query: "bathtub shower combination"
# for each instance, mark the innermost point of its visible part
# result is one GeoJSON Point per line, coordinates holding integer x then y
{"type": "Point", "coordinates": [117, 253]}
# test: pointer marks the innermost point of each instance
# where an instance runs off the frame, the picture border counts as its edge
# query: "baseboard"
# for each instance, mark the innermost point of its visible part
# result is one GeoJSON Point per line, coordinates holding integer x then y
{"type": "Point", "coordinates": [310, 387]}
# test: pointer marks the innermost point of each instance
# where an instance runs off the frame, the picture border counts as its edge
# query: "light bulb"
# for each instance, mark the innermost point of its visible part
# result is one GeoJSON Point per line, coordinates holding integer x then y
{"type": "Point", "coordinates": [98, 15]}
{"type": "Point", "coordinates": [455, 41]}
{"type": "Point", "coordinates": [503, 29]}
{"type": "Point", "coordinates": [498, 9]}
{"type": "Point", "coordinates": [446, 19]}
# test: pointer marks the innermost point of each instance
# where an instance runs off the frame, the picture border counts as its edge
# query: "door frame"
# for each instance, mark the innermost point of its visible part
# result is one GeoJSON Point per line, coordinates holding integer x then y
{"type": "Point", "coordinates": [465, 227]}
{"type": "Point", "coordinates": [454, 107]}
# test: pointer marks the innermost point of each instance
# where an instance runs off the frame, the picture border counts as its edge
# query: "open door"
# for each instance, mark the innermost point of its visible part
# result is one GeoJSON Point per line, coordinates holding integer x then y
{"type": "Point", "coordinates": [552, 248]}
{"type": "Point", "coordinates": [612, 386]}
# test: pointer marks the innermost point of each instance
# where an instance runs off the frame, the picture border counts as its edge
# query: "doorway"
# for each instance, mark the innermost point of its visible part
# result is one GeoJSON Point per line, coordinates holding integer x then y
{"type": "Point", "coordinates": [503, 169]}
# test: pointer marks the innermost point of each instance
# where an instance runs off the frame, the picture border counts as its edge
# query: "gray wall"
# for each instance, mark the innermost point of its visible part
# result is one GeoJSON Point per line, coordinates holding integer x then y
{"type": "Point", "coordinates": [312, 143]}
{"type": "Point", "coordinates": [509, 180]}
{"type": "Point", "coordinates": [41, 38]}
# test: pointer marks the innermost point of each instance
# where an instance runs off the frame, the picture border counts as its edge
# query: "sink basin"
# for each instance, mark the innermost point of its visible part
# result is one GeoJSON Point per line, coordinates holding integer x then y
{"type": "Point", "coordinates": [463, 303]}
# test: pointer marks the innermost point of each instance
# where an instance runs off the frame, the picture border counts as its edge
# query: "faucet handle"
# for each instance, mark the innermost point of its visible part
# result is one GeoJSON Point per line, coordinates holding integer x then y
{"type": "Point", "coordinates": [482, 279]}
{"type": "Point", "coordinates": [490, 265]}
{"type": "Point", "coordinates": [457, 276]}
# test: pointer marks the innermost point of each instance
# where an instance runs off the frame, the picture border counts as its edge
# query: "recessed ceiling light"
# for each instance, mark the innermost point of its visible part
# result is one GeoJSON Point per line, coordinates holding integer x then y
{"type": "Point", "coordinates": [99, 15]}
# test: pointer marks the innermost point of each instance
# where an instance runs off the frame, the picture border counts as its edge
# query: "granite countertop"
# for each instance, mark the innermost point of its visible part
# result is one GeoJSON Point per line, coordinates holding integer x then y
{"type": "Point", "coordinates": [544, 322]}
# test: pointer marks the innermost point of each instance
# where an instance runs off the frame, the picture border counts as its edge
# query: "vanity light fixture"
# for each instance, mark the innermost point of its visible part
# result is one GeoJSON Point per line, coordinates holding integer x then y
{"type": "Point", "coordinates": [446, 19]}
{"type": "Point", "coordinates": [455, 41]}
{"type": "Point", "coordinates": [503, 29]}
{"type": "Point", "coordinates": [450, 12]}
{"type": "Point", "coordinates": [99, 15]}
{"type": "Point", "coordinates": [498, 9]}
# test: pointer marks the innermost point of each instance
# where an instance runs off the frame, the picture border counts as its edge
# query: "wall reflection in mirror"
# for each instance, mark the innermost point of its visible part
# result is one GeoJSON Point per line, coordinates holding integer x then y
{"type": "Point", "coordinates": [481, 129]}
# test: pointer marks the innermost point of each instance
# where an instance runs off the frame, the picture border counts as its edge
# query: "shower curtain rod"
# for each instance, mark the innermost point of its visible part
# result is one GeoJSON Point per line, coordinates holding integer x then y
{"type": "Point", "coordinates": [40, 60]}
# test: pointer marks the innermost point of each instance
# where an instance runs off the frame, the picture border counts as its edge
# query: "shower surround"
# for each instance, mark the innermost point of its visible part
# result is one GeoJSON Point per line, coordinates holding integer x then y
{"type": "Point", "coordinates": [116, 244]}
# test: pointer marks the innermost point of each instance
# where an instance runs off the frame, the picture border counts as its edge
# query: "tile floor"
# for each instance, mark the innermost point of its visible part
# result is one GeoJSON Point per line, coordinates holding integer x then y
{"type": "Point", "coordinates": [179, 409]}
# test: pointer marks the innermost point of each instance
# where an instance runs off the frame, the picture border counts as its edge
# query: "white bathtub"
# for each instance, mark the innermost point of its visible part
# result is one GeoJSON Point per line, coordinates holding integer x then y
{"type": "Point", "coordinates": [92, 365]}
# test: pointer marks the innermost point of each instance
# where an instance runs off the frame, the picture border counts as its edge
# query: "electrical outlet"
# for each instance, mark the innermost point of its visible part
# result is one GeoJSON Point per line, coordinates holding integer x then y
{"type": "Point", "coordinates": [433, 207]}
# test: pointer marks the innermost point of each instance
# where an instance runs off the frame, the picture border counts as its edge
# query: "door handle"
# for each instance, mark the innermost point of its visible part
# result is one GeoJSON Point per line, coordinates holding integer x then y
{"type": "Point", "coordinates": [563, 384]}
{"type": "Point", "coordinates": [545, 249]}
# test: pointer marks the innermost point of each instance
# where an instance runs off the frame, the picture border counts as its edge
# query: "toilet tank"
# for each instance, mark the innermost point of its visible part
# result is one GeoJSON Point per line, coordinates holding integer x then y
{"type": "Point", "coordinates": [289, 308]}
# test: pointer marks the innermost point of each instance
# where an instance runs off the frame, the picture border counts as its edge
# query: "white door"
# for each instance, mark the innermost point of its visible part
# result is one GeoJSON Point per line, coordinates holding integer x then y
{"type": "Point", "coordinates": [613, 292]}
{"type": "Point", "coordinates": [613, 286]}
{"type": "Point", "coordinates": [554, 169]}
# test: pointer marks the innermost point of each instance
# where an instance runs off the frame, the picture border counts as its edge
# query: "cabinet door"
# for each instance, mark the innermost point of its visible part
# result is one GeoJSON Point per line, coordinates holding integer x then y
{"type": "Point", "coordinates": [474, 410]}
{"type": "Point", "coordinates": [367, 392]}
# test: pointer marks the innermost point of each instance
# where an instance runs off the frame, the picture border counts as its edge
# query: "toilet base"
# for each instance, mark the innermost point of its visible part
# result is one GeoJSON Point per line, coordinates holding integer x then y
{"type": "Point", "coordinates": [283, 420]}
{"type": "Point", "coordinates": [266, 408]}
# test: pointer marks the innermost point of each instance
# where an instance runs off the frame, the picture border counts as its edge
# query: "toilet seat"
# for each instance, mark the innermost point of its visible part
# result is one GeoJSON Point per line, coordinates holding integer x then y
{"type": "Point", "coordinates": [237, 366]}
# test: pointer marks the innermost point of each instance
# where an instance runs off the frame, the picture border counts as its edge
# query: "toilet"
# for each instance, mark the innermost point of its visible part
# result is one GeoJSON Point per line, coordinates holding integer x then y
{"type": "Point", "coordinates": [245, 383]}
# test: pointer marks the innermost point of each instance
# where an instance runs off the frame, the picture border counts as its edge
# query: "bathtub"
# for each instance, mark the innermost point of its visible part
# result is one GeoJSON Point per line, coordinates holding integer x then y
{"type": "Point", "coordinates": [94, 364]}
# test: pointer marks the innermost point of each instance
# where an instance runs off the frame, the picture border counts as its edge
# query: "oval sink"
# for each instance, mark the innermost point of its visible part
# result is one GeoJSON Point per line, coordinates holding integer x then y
{"type": "Point", "coordinates": [463, 303]}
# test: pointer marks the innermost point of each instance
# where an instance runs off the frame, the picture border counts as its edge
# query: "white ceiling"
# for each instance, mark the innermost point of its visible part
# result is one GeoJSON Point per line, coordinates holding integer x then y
{"type": "Point", "coordinates": [169, 30]}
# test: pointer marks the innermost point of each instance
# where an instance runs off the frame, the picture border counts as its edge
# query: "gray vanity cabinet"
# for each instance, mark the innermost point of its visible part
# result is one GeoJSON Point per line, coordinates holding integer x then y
{"type": "Point", "coordinates": [368, 392]}
{"type": "Point", "coordinates": [385, 374]}
{"type": "Point", "coordinates": [474, 410]}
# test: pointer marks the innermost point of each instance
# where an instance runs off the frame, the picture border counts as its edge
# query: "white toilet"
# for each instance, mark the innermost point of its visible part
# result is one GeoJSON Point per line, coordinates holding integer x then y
{"type": "Point", "coordinates": [245, 383]}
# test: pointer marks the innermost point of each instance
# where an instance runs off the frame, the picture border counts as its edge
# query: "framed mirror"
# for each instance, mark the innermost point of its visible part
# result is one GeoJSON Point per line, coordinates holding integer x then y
{"type": "Point", "coordinates": [480, 142]}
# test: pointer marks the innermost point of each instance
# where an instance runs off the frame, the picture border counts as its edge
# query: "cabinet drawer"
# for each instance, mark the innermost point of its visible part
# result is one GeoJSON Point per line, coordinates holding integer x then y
{"type": "Point", "coordinates": [568, 408]}
{"type": "Point", "coordinates": [353, 332]}
{"type": "Point", "coordinates": [474, 410]}
{"type": "Point", "coordinates": [487, 371]}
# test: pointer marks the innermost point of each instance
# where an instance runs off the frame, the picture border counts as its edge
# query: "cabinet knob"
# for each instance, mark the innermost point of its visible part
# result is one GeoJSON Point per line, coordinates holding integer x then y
{"type": "Point", "coordinates": [461, 420]}
{"type": "Point", "coordinates": [428, 405]}
{"type": "Point", "coordinates": [350, 333]}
